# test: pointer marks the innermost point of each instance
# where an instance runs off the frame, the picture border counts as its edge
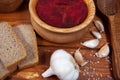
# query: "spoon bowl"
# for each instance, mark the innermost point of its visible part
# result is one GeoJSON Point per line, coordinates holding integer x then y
{"type": "Point", "coordinates": [107, 7]}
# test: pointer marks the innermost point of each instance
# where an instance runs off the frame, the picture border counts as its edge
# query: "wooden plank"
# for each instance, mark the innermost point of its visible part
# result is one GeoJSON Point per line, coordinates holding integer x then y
{"type": "Point", "coordinates": [96, 69]}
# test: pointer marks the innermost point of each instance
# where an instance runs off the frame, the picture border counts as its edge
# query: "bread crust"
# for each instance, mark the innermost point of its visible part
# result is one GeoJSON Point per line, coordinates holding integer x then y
{"type": "Point", "coordinates": [21, 58]}
{"type": "Point", "coordinates": [24, 37]}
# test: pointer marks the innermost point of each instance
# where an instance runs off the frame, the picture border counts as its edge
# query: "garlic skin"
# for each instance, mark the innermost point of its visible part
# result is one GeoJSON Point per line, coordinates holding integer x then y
{"type": "Point", "coordinates": [91, 43]}
{"type": "Point", "coordinates": [103, 52]}
{"type": "Point", "coordinates": [79, 58]}
{"type": "Point", "coordinates": [63, 65]}
{"type": "Point", "coordinates": [96, 34]}
{"type": "Point", "coordinates": [99, 25]}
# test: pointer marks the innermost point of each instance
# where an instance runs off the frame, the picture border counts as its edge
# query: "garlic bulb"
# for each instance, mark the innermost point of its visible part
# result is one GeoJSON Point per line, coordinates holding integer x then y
{"type": "Point", "coordinates": [96, 34]}
{"type": "Point", "coordinates": [103, 52]}
{"type": "Point", "coordinates": [99, 25]}
{"type": "Point", "coordinates": [79, 58]}
{"type": "Point", "coordinates": [91, 43]}
{"type": "Point", "coordinates": [63, 65]}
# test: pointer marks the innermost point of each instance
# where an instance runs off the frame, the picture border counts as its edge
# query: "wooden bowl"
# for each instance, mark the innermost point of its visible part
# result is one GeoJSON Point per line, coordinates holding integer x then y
{"type": "Point", "coordinates": [60, 35]}
{"type": "Point", "coordinates": [9, 5]}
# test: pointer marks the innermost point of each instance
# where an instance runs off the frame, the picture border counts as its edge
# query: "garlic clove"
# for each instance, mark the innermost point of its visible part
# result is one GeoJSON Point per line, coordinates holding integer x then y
{"type": "Point", "coordinates": [99, 25]}
{"type": "Point", "coordinates": [96, 34]}
{"type": "Point", "coordinates": [75, 64]}
{"type": "Point", "coordinates": [84, 63]}
{"type": "Point", "coordinates": [91, 43]}
{"type": "Point", "coordinates": [73, 75]}
{"type": "Point", "coordinates": [103, 52]}
{"type": "Point", "coordinates": [79, 58]}
{"type": "Point", "coordinates": [76, 75]}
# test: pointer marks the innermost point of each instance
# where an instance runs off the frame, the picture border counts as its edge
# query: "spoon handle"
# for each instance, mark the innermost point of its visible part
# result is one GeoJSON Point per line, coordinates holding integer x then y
{"type": "Point", "coordinates": [115, 47]}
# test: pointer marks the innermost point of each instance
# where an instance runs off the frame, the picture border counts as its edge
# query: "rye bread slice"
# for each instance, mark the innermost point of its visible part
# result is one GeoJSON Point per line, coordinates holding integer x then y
{"type": "Point", "coordinates": [5, 72]}
{"type": "Point", "coordinates": [12, 50]}
{"type": "Point", "coordinates": [27, 36]}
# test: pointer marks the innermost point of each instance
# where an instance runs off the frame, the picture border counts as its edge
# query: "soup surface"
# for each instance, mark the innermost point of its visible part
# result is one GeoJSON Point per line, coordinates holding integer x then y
{"type": "Point", "coordinates": [62, 13]}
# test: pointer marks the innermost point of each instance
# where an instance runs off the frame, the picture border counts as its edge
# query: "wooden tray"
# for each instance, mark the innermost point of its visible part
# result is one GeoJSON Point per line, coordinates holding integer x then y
{"type": "Point", "coordinates": [96, 69]}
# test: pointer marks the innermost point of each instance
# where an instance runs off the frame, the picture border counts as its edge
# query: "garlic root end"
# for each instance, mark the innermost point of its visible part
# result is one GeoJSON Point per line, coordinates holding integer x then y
{"type": "Point", "coordinates": [47, 73]}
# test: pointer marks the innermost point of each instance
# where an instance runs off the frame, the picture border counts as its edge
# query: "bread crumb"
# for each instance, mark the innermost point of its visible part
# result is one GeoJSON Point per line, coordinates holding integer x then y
{"type": "Point", "coordinates": [28, 75]}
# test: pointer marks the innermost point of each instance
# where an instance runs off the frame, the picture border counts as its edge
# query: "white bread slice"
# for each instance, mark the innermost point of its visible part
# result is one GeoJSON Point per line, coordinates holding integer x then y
{"type": "Point", "coordinates": [27, 35]}
{"type": "Point", "coordinates": [12, 50]}
{"type": "Point", "coordinates": [5, 72]}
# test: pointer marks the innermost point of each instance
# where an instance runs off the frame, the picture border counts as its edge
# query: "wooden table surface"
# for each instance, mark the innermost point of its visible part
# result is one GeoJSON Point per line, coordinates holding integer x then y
{"type": "Point", "coordinates": [96, 69]}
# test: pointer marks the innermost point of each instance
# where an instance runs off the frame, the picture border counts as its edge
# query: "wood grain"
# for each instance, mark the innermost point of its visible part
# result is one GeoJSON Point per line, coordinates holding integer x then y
{"type": "Point", "coordinates": [96, 69]}
{"type": "Point", "coordinates": [9, 5]}
{"type": "Point", "coordinates": [115, 47]}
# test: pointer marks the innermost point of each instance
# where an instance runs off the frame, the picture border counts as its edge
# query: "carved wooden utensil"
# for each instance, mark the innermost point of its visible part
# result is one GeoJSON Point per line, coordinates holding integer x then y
{"type": "Point", "coordinates": [109, 8]}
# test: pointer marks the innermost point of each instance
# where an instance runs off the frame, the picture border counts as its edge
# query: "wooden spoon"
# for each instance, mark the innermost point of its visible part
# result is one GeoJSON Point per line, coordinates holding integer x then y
{"type": "Point", "coordinates": [109, 8]}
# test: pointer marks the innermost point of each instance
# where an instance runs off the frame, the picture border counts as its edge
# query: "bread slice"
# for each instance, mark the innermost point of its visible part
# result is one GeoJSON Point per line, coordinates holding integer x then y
{"type": "Point", "coordinates": [5, 72]}
{"type": "Point", "coordinates": [12, 50]}
{"type": "Point", "coordinates": [27, 35]}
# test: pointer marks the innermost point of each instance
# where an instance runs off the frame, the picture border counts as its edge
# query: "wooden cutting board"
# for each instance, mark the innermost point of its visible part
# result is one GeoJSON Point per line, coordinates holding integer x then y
{"type": "Point", "coordinates": [96, 69]}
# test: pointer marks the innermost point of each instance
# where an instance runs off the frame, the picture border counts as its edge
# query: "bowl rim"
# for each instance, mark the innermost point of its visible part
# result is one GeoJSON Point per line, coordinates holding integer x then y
{"type": "Point", "coordinates": [89, 18]}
